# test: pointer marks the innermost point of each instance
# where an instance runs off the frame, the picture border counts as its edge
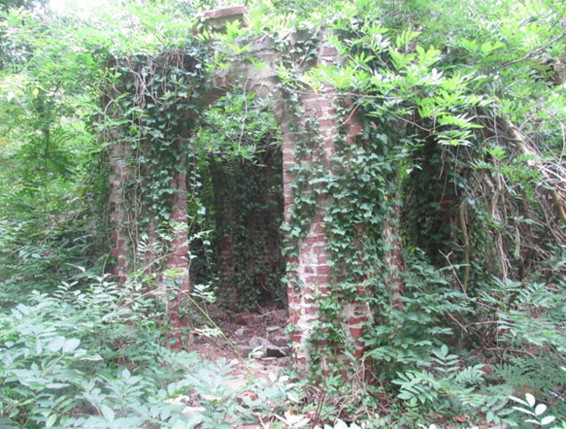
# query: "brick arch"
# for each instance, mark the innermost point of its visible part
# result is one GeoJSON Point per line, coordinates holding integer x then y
{"type": "Point", "coordinates": [309, 269]}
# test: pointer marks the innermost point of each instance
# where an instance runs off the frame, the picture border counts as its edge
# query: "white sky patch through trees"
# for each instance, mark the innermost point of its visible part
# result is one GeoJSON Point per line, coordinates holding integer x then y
{"type": "Point", "coordinates": [80, 8]}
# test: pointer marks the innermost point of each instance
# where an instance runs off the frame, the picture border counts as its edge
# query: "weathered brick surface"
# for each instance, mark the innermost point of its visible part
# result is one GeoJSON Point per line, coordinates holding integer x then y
{"type": "Point", "coordinates": [119, 214]}
{"type": "Point", "coordinates": [227, 12]}
{"type": "Point", "coordinates": [310, 272]}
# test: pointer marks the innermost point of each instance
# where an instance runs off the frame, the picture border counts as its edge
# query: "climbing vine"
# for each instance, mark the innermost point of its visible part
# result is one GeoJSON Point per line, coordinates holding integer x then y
{"type": "Point", "coordinates": [405, 156]}
{"type": "Point", "coordinates": [398, 187]}
{"type": "Point", "coordinates": [154, 106]}
{"type": "Point", "coordinates": [414, 168]}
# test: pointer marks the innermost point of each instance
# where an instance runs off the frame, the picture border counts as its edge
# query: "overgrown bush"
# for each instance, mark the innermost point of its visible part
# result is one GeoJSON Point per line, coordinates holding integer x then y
{"type": "Point", "coordinates": [94, 358]}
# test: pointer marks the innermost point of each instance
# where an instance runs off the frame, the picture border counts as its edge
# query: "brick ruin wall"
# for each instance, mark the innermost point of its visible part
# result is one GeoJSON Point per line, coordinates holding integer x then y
{"type": "Point", "coordinates": [310, 271]}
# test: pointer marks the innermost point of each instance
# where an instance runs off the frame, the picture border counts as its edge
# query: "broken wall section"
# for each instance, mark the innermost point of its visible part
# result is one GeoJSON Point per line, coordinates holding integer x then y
{"type": "Point", "coordinates": [310, 129]}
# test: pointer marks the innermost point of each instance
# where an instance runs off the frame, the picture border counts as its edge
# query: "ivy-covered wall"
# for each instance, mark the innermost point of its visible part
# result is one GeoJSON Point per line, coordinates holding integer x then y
{"type": "Point", "coordinates": [248, 209]}
{"type": "Point", "coordinates": [329, 282]}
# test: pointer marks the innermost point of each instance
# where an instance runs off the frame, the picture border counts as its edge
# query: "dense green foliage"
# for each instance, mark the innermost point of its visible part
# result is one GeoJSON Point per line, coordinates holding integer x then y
{"type": "Point", "coordinates": [52, 377]}
{"type": "Point", "coordinates": [461, 155]}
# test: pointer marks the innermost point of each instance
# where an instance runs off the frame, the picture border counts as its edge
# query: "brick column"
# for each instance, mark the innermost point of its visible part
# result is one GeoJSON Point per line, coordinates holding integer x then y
{"type": "Point", "coordinates": [179, 262]}
{"type": "Point", "coordinates": [310, 270]}
{"type": "Point", "coordinates": [118, 215]}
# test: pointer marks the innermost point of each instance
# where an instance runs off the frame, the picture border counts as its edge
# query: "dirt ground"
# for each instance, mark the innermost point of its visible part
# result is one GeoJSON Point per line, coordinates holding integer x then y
{"type": "Point", "coordinates": [245, 331]}
{"type": "Point", "coordinates": [240, 328]}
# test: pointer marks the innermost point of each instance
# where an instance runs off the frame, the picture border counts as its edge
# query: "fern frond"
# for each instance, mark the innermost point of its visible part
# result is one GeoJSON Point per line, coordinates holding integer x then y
{"type": "Point", "coordinates": [470, 376]}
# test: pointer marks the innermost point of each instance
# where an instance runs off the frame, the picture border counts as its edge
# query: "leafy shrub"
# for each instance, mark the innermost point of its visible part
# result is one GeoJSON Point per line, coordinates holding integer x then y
{"type": "Point", "coordinates": [93, 359]}
{"type": "Point", "coordinates": [407, 336]}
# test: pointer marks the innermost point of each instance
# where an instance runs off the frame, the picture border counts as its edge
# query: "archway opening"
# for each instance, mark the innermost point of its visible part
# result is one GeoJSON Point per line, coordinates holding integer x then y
{"type": "Point", "coordinates": [238, 195]}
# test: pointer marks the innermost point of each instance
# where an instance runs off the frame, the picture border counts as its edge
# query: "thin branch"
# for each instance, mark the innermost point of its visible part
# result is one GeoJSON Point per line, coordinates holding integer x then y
{"type": "Point", "coordinates": [533, 53]}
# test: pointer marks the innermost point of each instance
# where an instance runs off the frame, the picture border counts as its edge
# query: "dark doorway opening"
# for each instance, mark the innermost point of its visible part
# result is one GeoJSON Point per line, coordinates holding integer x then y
{"type": "Point", "coordinates": [241, 193]}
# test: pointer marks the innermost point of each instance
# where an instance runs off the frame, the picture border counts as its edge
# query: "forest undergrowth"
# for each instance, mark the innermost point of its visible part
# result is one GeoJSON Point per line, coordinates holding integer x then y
{"type": "Point", "coordinates": [462, 148]}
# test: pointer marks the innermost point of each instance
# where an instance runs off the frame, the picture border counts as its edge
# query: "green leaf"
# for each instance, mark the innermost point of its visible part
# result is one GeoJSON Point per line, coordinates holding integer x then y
{"type": "Point", "coordinates": [524, 411]}
{"type": "Point", "coordinates": [56, 344]}
{"type": "Point", "coordinates": [51, 420]}
{"type": "Point", "coordinates": [540, 409]}
{"type": "Point", "coordinates": [107, 413]}
{"type": "Point", "coordinates": [547, 420]}
{"type": "Point", "coordinates": [38, 346]}
{"type": "Point", "coordinates": [71, 345]}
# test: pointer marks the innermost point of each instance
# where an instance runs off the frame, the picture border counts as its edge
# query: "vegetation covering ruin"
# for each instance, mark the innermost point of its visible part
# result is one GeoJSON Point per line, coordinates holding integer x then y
{"type": "Point", "coordinates": [414, 149]}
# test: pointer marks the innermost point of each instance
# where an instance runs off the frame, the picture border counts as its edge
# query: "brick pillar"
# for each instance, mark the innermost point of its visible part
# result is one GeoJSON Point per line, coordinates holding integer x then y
{"type": "Point", "coordinates": [179, 261]}
{"type": "Point", "coordinates": [310, 269]}
{"type": "Point", "coordinates": [118, 215]}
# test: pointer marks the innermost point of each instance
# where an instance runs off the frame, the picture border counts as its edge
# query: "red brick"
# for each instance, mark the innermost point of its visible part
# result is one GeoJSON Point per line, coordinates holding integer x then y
{"type": "Point", "coordinates": [288, 141]}
{"type": "Point", "coordinates": [359, 352]}
{"type": "Point", "coordinates": [356, 331]}
{"type": "Point", "coordinates": [181, 250]}
{"type": "Point", "coordinates": [318, 279]}
{"type": "Point", "coordinates": [296, 338]}
{"type": "Point", "coordinates": [325, 102]}
{"type": "Point", "coordinates": [323, 269]}
{"type": "Point", "coordinates": [320, 250]}
{"type": "Point", "coordinates": [289, 155]}
{"type": "Point", "coordinates": [293, 300]}
{"type": "Point", "coordinates": [225, 12]}
{"type": "Point", "coordinates": [327, 114]}
{"type": "Point", "coordinates": [318, 217]}
{"type": "Point", "coordinates": [326, 123]}
{"type": "Point", "coordinates": [315, 239]}
{"type": "Point", "coordinates": [177, 261]}
{"type": "Point", "coordinates": [328, 51]}
{"type": "Point", "coordinates": [288, 179]}
{"type": "Point", "coordinates": [328, 136]}
{"type": "Point", "coordinates": [354, 320]}
{"type": "Point", "coordinates": [293, 319]}
{"type": "Point", "coordinates": [312, 107]}
{"type": "Point", "coordinates": [289, 163]}
{"type": "Point", "coordinates": [292, 260]}
{"type": "Point", "coordinates": [311, 311]}
{"type": "Point", "coordinates": [330, 151]}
